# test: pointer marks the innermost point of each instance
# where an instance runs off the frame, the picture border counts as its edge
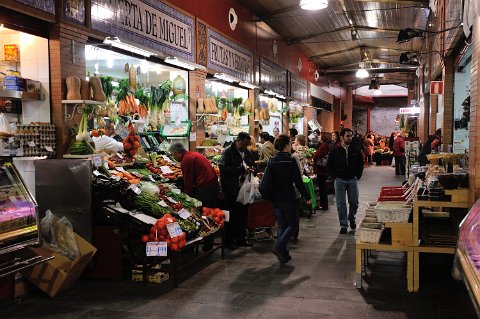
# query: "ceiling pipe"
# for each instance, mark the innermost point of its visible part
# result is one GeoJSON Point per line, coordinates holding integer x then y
{"type": "Point", "coordinates": [404, 69]}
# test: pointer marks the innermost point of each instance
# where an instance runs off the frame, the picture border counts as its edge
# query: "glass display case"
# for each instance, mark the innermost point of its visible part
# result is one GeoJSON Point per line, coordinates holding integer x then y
{"type": "Point", "coordinates": [19, 221]}
{"type": "Point", "coordinates": [467, 255]}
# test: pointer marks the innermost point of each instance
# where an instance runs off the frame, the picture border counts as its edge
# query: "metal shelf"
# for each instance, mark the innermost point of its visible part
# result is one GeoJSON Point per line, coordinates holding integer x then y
{"type": "Point", "coordinates": [77, 107]}
{"type": "Point", "coordinates": [21, 95]}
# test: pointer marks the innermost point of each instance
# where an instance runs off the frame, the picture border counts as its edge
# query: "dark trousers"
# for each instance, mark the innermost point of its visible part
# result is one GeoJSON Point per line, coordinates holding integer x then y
{"type": "Point", "coordinates": [208, 195]}
{"type": "Point", "coordinates": [236, 227]}
{"type": "Point", "coordinates": [322, 190]}
{"type": "Point", "coordinates": [287, 220]}
{"type": "Point", "coordinates": [399, 165]}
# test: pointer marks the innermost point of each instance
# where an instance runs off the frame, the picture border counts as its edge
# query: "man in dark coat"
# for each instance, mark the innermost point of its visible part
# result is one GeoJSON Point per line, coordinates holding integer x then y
{"type": "Point", "coordinates": [235, 165]}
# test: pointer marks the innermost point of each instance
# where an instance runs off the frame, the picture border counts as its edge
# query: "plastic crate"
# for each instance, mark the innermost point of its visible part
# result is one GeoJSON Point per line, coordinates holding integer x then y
{"type": "Point", "coordinates": [369, 235]}
{"type": "Point", "coordinates": [392, 192]}
{"type": "Point", "coordinates": [398, 215]}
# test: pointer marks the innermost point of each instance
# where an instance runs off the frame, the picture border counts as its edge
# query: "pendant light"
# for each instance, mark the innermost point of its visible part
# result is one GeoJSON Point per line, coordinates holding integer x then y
{"type": "Point", "coordinates": [313, 4]}
{"type": "Point", "coordinates": [362, 73]}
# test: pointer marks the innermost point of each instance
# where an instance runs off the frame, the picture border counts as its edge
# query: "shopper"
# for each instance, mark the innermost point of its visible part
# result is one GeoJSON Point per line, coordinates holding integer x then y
{"type": "Point", "coordinates": [267, 151]}
{"type": "Point", "coordinates": [315, 139]}
{"type": "Point", "coordinates": [399, 154]}
{"type": "Point", "coordinates": [369, 145]}
{"type": "Point", "coordinates": [335, 140]}
{"type": "Point", "coordinates": [345, 165]}
{"type": "Point", "coordinates": [235, 165]}
{"type": "Point", "coordinates": [292, 133]}
{"type": "Point", "coordinates": [391, 139]}
{"type": "Point", "coordinates": [300, 151]}
{"type": "Point", "coordinates": [431, 145]}
{"type": "Point", "coordinates": [281, 171]}
{"type": "Point", "coordinates": [320, 159]}
{"type": "Point", "coordinates": [276, 132]}
{"type": "Point", "coordinates": [254, 149]}
{"type": "Point", "coordinates": [200, 180]}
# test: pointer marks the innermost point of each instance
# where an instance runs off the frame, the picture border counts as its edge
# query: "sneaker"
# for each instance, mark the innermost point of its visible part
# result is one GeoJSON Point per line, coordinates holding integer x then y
{"type": "Point", "coordinates": [343, 231]}
{"type": "Point", "coordinates": [352, 224]}
{"type": "Point", "coordinates": [282, 259]}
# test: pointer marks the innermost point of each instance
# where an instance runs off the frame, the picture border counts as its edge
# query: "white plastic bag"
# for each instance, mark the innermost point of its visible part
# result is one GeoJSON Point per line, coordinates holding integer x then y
{"type": "Point", "coordinates": [393, 162]}
{"type": "Point", "coordinates": [5, 125]}
{"type": "Point", "coordinates": [247, 190]}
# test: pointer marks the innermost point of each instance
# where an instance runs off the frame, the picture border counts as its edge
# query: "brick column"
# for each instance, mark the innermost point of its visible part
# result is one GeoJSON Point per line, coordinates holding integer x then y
{"type": "Point", "coordinates": [348, 108]}
{"type": "Point", "coordinates": [67, 58]}
{"type": "Point", "coordinates": [423, 120]}
{"type": "Point", "coordinates": [474, 140]}
{"type": "Point", "coordinates": [337, 106]}
{"type": "Point", "coordinates": [447, 125]}
{"type": "Point", "coordinates": [433, 114]}
{"type": "Point", "coordinates": [196, 88]}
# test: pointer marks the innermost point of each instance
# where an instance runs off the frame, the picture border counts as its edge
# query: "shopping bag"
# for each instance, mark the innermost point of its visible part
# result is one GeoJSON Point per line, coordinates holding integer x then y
{"type": "Point", "coordinates": [393, 162]}
{"type": "Point", "coordinates": [245, 194]}
{"type": "Point", "coordinates": [266, 185]}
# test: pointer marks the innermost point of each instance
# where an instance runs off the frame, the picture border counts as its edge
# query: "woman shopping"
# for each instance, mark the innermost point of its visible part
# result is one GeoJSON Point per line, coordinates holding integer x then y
{"type": "Point", "coordinates": [320, 159]}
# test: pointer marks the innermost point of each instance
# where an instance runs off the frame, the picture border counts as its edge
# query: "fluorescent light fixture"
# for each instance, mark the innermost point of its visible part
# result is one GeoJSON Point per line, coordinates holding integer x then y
{"type": "Point", "coordinates": [377, 92]}
{"type": "Point", "coordinates": [247, 85]}
{"type": "Point", "coordinates": [116, 43]}
{"type": "Point", "coordinates": [269, 92]}
{"type": "Point", "coordinates": [175, 61]}
{"type": "Point", "coordinates": [279, 96]}
{"type": "Point", "coordinates": [362, 74]}
{"type": "Point", "coordinates": [225, 77]}
{"type": "Point", "coordinates": [313, 4]}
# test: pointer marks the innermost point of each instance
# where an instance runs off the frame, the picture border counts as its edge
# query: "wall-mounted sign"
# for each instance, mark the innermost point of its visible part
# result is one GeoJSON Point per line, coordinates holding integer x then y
{"type": "Point", "coordinates": [409, 110]}
{"type": "Point", "coordinates": [148, 23]}
{"type": "Point", "coordinates": [273, 77]}
{"type": "Point", "coordinates": [227, 57]}
{"type": "Point", "coordinates": [436, 88]}
{"type": "Point", "coordinates": [45, 5]}
{"type": "Point", "coordinates": [74, 10]}
{"type": "Point", "coordinates": [298, 88]}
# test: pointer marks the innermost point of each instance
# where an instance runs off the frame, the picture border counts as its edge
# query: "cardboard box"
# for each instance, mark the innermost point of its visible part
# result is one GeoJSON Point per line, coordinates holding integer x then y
{"type": "Point", "coordinates": [60, 273]}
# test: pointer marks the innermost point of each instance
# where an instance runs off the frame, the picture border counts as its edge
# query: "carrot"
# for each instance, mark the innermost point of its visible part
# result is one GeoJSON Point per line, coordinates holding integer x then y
{"type": "Point", "coordinates": [134, 181]}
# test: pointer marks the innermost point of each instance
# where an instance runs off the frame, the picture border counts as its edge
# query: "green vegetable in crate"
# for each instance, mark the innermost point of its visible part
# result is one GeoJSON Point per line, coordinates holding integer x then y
{"type": "Point", "coordinates": [149, 205]}
{"type": "Point", "coordinates": [189, 225]}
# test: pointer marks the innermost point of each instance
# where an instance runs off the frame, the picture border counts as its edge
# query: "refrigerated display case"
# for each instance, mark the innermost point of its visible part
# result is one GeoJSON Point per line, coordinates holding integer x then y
{"type": "Point", "coordinates": [19, 220]}
{"type": "Point", "coordinates": [467, 254]}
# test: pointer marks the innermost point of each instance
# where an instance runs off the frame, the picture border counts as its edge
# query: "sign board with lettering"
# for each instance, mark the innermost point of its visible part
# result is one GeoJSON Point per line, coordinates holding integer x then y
{"type": "Point", "coordinates": [409, 110]}
{"type": "Point", "coordinates": [298, 88]}
{"type": "Point", "coordinates": [149, 23]}
{"type": "Point", "coordinates": [273, 77]}
{"type": "Point", "coordinates": [225, 56]}
{"type": "Point", "coordinates": [45, 5]}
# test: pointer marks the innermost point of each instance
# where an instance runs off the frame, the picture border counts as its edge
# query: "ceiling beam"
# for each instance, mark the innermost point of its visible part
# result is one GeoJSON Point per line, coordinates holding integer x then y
{"type": "Point", "coordinates": [400, 69]}
{"type": "Point", "coordinates": [359, 28]}
{"type": "Point", "coordinates": [423, 3]}
{"type": "Point", "coordinates": [325, 55]}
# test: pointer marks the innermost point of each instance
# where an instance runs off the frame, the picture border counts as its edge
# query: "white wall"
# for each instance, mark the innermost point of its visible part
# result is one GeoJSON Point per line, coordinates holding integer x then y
{"type": "Point", "coordinates": [318, 92]}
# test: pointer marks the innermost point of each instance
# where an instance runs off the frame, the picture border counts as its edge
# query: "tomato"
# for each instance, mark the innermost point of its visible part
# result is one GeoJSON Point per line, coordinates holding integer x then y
{"type": "Point", "coordinates": [145, 238]}
{"type": "Point", "coordinates": [152, 237]}
{"type": "Point", "coordinates": [95, 133]}
{"type": "Point", "coordinates": [175, 247]}
{"type": "Point", "coordinates": [164, 232]}
{"type": "Point", "coordinates": [175, 240]}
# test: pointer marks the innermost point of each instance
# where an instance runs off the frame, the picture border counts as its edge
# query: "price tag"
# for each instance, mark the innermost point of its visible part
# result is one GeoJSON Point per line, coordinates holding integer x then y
{"type": "Point", "coordinates": [49, 148]}
{"type": "Point", "coordinates": [31, 143]}
{"type": "Point", "coordinates": [174, 230]}
{"type": "Point", "coordinates": [227, 215]}
{"type": "Point", "coordinates": [165, 157]}
{"type": "Point", "coordinates": [166, 170]}
{"type": "Point", "coordinates": [156, 248]}
{"type": "Point", "coordinates": [6, 152]}
{"type": "Point", "coordinates": [135, 189]}
{"type": "Point", "coordinates": [96, 173]}
{"type": "Point", "coordinates": [20, 151]}
{"type": "Point", "coordinates": [136, 174]}
{"type": "Point", "coordinates": [184, 213]}
{"type": "Point", "coordinates": [122, 131]}
{"type": "Point", "coordinates": [120, 169]}
{"type": "Point", "coordinates": [162, 203]}
{"type": "Point", "coordinates": [171, 200]}
{"type": "Point", "coordinates": [11, 140]}
{"type": "Point", "coordinates": [97, 160]}
{"type": "Point", "coordinates": [151, 178]}
{"type": "Point", "coordinates": [119, 155]}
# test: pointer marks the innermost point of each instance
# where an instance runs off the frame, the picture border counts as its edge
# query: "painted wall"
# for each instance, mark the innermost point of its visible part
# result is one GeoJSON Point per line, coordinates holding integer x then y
{"type": "Point", "coordinates": [359, 120]}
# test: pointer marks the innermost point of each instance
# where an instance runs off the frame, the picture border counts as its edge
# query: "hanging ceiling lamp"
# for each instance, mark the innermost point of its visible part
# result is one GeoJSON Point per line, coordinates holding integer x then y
{"type": "Point", "coordinates": [313, 4]}
{"type": "Point", "coordinates": [377, 92]}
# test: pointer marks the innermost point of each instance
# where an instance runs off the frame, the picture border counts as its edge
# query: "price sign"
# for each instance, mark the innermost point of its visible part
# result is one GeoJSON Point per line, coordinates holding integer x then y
{"type": "Point", "coordinates": [166, 170]}
{"type": "Point", "coordinates": [227, 215]}
{"type": "Point", "coordinates": [31, 143]}
{"type": "Point", "coordinates": [137, 174]}
{"type": "Point", "coordinates": [116, 178]}
{"type": "Point", "coordinates": [49, 148]}
{"type": "Point", "coordinates": [97, 160]}
{"type": "Point", "coordinates": [184, 213]}
{"type": "Point", "coordinates": [162, 203]}
{"type": "Point", "coordinates": [122, 131]}
{"type": "Point", "coordinates": [120, 169]}
{"type": "Point", "coordinates": [135, 189]}
{"type": "Point", "coordinates": [145, 142]}
{"type": "Point", "coordinates": [156, 249]}
{"type": "Point", "coordinates": [174, 230]}
{"type": "Point", "coordinates": [6, 152]}
{"type": "Point", "coordinates": [96, 173]}
{"type": "Point", "coordinates": [171, 200]}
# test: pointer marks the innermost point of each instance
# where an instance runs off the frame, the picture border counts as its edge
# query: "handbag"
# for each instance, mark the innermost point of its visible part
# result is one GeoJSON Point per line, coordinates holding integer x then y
{"type": "Point", "coordinates": [322, 161]}
{"type": "Point", "coordinates": [266, 185]}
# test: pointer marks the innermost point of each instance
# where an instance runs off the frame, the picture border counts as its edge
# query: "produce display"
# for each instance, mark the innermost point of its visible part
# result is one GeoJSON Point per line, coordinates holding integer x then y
{"type": "Point", "coordinates": [159, 232]}
{"type": "Point", "coordinates": [132, 143]}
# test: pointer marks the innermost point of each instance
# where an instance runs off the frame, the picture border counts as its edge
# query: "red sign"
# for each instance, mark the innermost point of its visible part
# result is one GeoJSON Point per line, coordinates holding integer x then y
{"type": "Point", "coordinates": [436, 88]}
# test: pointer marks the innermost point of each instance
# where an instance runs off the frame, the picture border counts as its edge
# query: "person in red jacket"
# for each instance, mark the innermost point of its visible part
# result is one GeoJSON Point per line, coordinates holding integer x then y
{"type": "Point", "coordinates": [200, 180]}
{"type": "Point", "coordinates": [399, 154]}
{"type": "Point", "coordinates": [320, 168]}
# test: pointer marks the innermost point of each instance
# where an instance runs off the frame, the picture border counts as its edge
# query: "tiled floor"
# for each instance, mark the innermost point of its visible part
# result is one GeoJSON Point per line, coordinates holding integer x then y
{"type": "Point", "coordinates": [250, 283]}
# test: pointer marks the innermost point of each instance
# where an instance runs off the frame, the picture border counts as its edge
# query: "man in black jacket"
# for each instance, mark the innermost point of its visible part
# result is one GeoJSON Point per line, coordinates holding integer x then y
{"type": "Point", "coordinates": [235, 165]}
{"type": "Point", "coordinates": [345, 165]}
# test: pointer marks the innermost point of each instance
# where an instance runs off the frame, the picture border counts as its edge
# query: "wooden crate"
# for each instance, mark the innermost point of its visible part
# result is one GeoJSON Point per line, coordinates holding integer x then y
{"type": "Point", "coordinates": [458, 195]}
{"type": "Point", "coordinates": [401, 233]}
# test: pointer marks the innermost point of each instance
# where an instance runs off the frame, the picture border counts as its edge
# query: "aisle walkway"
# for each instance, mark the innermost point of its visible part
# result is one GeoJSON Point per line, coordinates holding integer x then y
{"type": "Point", "coordinates": [250, 283]}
